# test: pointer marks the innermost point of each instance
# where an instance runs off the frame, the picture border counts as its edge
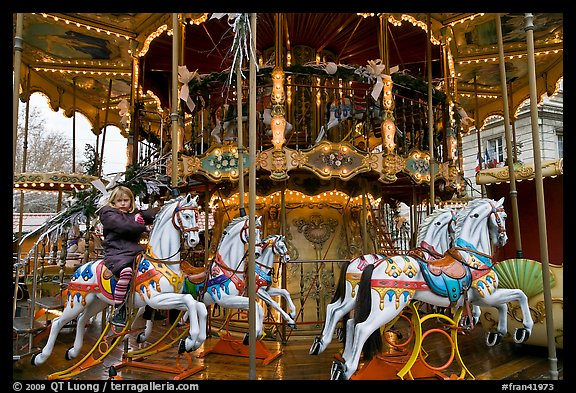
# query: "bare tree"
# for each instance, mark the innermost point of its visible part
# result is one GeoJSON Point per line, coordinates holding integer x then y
{"type": "Point", "coordinates": [46, 151]}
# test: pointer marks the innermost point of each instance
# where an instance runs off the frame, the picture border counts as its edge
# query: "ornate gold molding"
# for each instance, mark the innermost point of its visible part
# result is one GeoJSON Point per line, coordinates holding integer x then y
{"type": "Point", "coordinates": [521, 171]}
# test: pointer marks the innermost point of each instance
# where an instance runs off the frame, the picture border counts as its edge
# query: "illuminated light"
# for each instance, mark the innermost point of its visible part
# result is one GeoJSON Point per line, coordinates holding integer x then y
{"type": "Point", "coordinates": [278, 125]}
{"type": "Point", "coordinates": [51, 184]}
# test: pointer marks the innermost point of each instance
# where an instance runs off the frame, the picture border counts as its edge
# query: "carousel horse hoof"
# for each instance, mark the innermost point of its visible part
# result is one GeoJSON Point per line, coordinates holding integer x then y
{"type": "Point", "coordinates": [493, 338]}
{"type": "Point", "coordinates": [521, 335]}
{"type": "Point", "coordinates": [337, 371]}
{"type": "Point", "coordinates": [292, 325]}
{"type": "Point", "coordinates": [181, 347]}
{"type": "Point", "coordinates": [33, 359]}
{"type": "Point", "coordinates": [315, 348]}
{"type": "Point", "coordinates": [141, 338]}
{"type": "Point", "coordinates": [112, 372]}
{"type": "Point", "coordinates": [67, 354]}
{"type": "Point", "coordinates": [246, 340]}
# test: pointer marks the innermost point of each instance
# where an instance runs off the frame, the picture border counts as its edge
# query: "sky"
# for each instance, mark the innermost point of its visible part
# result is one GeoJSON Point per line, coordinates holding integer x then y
{"type": "Point", "coordinates": [114, 150]}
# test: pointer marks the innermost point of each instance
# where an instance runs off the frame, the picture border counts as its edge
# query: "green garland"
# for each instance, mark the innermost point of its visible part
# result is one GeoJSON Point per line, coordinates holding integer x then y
{"type": "Point", "coordinates": [346, 73]}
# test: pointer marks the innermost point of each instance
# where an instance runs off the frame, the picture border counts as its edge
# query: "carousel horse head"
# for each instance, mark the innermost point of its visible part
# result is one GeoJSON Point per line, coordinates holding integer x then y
{"type": "Point", "coordinates": [483, 222]}
{"type": "Point", "coordinates": [181, 214]}
{"type": "Point", "coordinates": [277, 246]}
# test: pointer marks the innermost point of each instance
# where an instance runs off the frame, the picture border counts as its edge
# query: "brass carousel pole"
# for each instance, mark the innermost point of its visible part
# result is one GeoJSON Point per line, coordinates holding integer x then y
{"type": "Point", "coordinates": [431, 199]}
{"type": "Point", "coordinates": [251, 272]}
{"type": "Point", "coordinates": [101, 164]}
{"type": "Point", "coordinates": [240, 140]}
{"type": "Point", "coordinates": [18, 48]}
{"type": "Point", "coordinates": [174, 113]}
{"type": "Point", "coordinates": [553, 361]}
{"type": "Point", "coordinates": [24, 155]}
{"type": "Point", "coordinates": [509, 158]}
{"type": "Point", "coordinates": [73, 125]}
{"type": "Point", "coordinates": [476, 125]}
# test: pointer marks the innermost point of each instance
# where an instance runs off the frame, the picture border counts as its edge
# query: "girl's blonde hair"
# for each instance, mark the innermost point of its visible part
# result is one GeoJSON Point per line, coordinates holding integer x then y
{"type": "Point", "coordinates": [122, 191]}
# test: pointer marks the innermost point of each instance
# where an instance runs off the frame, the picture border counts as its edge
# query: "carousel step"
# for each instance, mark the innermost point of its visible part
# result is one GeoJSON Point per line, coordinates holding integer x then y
{"type": "Point", "coordinates": [50, 303]}
{"type": "Point", "coordinates": [21, 325]}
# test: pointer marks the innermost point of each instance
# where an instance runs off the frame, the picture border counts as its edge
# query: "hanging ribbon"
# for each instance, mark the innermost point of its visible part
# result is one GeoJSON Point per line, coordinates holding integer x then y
{"type": "Point", "coordinates": [124, 112]}
{"type": "Point", "coordinates": [375, 71]}
{"type": "Point", "coordinates": [184, 77]}
{"type": "Point", "coordinates": [105, 190]}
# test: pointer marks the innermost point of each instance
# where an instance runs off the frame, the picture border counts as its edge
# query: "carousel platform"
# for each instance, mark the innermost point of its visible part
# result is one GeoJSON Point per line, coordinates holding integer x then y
{"type": "Point", "coordinates": [506, 361]}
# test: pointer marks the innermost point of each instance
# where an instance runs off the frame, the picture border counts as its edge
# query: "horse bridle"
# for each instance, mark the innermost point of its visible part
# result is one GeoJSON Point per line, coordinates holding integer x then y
{"type": "Point", "coordinates": [177, 218]}
{"type": "Point", "coordinates": [177, 222]}
{"type": "Point", "coordinates": [495, 211]}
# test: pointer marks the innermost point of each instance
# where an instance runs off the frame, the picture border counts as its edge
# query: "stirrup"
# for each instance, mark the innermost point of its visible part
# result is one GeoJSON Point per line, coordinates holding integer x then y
{"type": "Point", "coordinates": [119, 317]}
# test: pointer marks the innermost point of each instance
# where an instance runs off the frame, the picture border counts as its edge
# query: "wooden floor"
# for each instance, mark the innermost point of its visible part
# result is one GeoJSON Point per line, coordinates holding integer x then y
{"type": "Point", "coordinates": [290, 361]}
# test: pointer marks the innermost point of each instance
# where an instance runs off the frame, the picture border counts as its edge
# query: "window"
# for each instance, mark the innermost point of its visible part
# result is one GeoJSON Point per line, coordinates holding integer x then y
{"type": "Point", "coordinates": [560, 136]}
{"type": "Point", "coordinates": [494, 152]}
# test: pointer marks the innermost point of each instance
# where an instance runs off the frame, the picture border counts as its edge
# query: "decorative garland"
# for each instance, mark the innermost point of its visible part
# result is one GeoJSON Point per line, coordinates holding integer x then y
{"type": "Point", "coordinates": [345, 72]}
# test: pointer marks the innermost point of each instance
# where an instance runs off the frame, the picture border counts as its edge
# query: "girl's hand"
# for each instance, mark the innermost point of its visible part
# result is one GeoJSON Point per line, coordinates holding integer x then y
{"type": "Point", "coordinates": [139, 219]}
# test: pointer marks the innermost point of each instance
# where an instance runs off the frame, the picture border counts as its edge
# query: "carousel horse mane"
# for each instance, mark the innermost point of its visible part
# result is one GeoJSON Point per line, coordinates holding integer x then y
{"type": "Point", "coordinates": [423, 229]}
{"type": "Point", "coordinates": [232, 223]}
{"type": "Point", "coordinates": [164, 210]}
{"type": "Point", "coordinates": [468, 209]}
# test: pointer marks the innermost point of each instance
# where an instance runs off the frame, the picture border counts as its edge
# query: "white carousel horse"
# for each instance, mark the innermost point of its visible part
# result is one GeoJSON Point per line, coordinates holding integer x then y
{"type": "Point", "coordinates": [225, 283]}
{"type": "Point", "coordinates": [225, 128]}
{"type": "Point", "coordinates": [433, 237]}
{"type": "Point", "coordinates": [387, 287]}
{"type": "Point", "coordinates": [273, 245]}
{"type": "Point", "coordinates": [222, 282]}
{"type": "Point", "coordinates": [158, 281]}
{"type": "Point", "coordinates": [340, 110]}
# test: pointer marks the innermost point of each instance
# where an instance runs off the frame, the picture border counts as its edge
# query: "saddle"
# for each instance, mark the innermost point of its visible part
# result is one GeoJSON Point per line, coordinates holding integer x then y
{"type": "Point", "coordinates": [448, 264]}
{"type": "Point", "coordinates": [446, 276]}
{"type": "Point", "coordinates": [106, 273]}
{"type": "Point", "coordinates": [196, 275]}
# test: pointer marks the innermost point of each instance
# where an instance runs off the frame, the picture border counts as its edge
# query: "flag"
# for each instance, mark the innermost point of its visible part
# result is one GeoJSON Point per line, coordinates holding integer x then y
{"type": "Point", "coordinates": [479, 166]}
{"type": "Point", "coordinates": [486, 159]}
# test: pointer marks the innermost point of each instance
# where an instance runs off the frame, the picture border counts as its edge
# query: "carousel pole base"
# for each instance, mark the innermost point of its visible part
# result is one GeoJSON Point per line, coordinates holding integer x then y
{"type": "Point", "coordinates": [181, 372]}
{"type": "Point", "coordinates": [387, 367]}
{"type": "Point", "coordinates": [229, 345]}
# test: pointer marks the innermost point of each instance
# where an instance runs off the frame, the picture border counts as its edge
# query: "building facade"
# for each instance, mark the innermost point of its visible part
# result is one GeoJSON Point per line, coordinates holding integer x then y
{"type": "Point", "coordinates": [492, 151]}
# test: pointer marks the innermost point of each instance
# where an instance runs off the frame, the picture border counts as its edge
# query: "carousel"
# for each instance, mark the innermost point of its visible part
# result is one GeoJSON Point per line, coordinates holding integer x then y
{"type": "Point", "coordinates": [311, 143]}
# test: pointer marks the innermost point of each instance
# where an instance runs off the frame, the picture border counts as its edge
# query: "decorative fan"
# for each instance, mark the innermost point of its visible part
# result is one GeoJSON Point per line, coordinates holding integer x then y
{"type": "Point", "coordinates": [524, 274]}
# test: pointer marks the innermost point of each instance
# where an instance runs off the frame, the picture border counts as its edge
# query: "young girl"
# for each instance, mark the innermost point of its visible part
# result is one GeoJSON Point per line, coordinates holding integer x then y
{"type": "Point", "coordinates": [122, 227]}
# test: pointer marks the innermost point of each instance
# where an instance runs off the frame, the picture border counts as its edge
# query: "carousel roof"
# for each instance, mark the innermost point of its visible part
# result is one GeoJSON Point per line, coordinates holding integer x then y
{"type": "Point", "coordinates": [83, 60]}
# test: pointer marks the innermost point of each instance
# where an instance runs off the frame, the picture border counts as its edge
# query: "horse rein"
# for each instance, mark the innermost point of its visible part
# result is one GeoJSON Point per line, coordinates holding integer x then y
{"type": "Point", "coordinates": [176, 216]}
{"type": "Point", "coordinates": [470, 251]}
{"type": "Point", "coordinates": [497, 218]}
{"type": "Point", "coordinates": [177, 222]}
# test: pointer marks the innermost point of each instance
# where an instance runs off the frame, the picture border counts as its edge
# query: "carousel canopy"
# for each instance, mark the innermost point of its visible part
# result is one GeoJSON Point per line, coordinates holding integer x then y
{"type": "Point", "coordinates": [83, 61]}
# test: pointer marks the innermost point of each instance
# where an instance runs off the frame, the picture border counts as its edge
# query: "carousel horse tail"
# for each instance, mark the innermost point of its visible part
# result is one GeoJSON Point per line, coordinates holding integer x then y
{"type": "Point", "coordinates": [340, 290]}
{"type": "Point", "coordinates": [339, 296]}
{"type": "Point", "coordinates": [373, 344]}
